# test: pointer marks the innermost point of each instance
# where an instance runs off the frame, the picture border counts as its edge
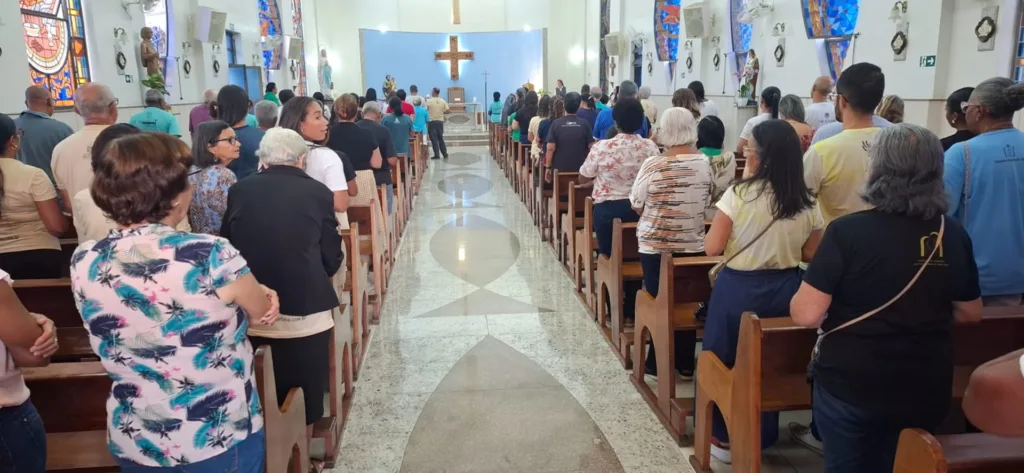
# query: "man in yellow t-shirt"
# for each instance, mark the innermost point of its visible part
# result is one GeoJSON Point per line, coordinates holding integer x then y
{"type": "Point", "coordinates": [836, 169]}
{"type": "Point", "coordinates": [436, 110]}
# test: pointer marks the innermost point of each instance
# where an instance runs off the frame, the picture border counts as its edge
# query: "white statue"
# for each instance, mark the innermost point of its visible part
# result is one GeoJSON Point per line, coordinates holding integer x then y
{"type": "Point", "coordinates": [326, 85]}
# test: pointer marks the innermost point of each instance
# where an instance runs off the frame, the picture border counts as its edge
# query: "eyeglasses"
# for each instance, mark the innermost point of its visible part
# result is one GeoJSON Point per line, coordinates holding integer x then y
{"type": "Point", "coordinates": [231, 140]}
{"type": "Point", "coordinates": [965, 105]}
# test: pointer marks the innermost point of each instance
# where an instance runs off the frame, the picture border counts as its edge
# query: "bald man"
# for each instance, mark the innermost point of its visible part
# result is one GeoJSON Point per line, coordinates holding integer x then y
{"type": "Point", "coordinates": [72, 158]}
{"type": "Point", "coordinates": [40, 132]}
{"type": "Point", "coordinates": [201, 113]}
{"type": "Point", "coordinates": [821, 111]}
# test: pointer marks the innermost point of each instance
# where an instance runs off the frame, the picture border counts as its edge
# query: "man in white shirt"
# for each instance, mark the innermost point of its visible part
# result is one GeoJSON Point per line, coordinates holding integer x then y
{"type": "Point", "coordinates": [72, 158]}
{"type": "Point", "coordinates": [821, 111]}
{"type": "Point", "coordinates": [413, 93]}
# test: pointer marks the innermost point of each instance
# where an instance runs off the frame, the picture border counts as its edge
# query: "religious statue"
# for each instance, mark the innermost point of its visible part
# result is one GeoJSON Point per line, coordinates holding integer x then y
{"type": "Point", "coordinates": [325, 73]}
{"type": "Point", "coordinates": [529, 86]}
{"type": "Point", "coordinates": [748, 83]}
{"type": "Point", "coordinates": [390, 86]}
{"type": "Point", "coordinates": [150, 58]}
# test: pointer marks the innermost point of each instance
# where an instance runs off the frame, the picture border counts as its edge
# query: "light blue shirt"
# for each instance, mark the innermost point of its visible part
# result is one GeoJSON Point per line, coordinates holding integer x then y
{"type": "Point", "coordinates": [419, 122]}
{"type": "Point", "coordinates": [250, 120]}
{"type": "Point", "coordinates": [835, 128]}
{"type": "Point", "coordinates": [995, 206]}
{"type": "Point", "coordinates": [41, 135]}
{"type": "Point", "coordinates": [154, 119]}
{"type": "Point", "coordinates": [605, 121]}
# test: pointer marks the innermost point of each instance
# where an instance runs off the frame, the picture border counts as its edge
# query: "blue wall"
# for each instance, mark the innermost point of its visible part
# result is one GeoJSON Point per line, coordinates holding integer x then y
{"type": "Point", "coordinates": [511, 58]}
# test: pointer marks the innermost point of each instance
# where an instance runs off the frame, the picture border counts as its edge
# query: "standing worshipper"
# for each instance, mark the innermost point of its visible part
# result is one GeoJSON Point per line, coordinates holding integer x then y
{"type": "Point", "coordinates": [560, 89]}
{"type": "Point", "coordinates": [587, 112]}
{"type": "Point", "coordinates": [406, 107]}
{"type": "Point", "coordinates": [686, 98]}
{"type": "Point", "coordinates": [769, 107]}
{"type": "Point", "coordinates": [598, 95]}
{"type": "Point", "coordinates": [821, 111]}
{"type": "Point", "coordinates": [708, 107]}
{"type": "Point", "coordinates": [201, 113]}
{"type": "Point", "coordinates": [40, 133]}
{"type": "Point", "coordinates": [231, 107]}
{"type": "Point", "coordinates": [791, 109]}
{"type": "Point", "coordinates": [72, 158]}
{"type": "Point", "coordinates": [214, 146]}
{"type": "Point", "coordinates": [891, 109]}
{"type": "Point", "coordinates": [524, 115]}
{"type": "Point", "coordinates": [837, 127]}
{"type": "Point", "coordinates": [650, 108]}
{"type": "Point", "coordinates": [533, 132]}
{"type": "Point", "coordinates": [323, 164]}
{"type": "Point", "coordinates": [155, 118]}
{"type": "Point", "coordinates": [400, 126]}
{"type": "Point", "coordinates": [413, 93]}
{"type": "Point", "coordinates": [494, 112]}
{"type": "Point", "coordinates": [983, 182]}
{"type": "Point", "coordinates": [419, 122]}
{"type": "Point", "coordinates": [605, 120]}
{"type": "Point", "coordinates": [371, 123]}
{"type": "Point", "coordinates": [437, 108]}
{"type": "Point", "coordinates": [286, 95]}
{"type": "Point", "coordinates": [569, 140]}
{"type": "Point", "coordinates": [271, 94]}
{"type": "Point", "coordinates": [837, 168]}
{"type": "Point", "coordinates": [371, 96]}
{"type": "Point", "coordinates": [956, 118]}
{"type": "Point", "coordinates": [508, 108]}
{"type": "Point", "coordinates": [362, 149]}
{"type": "Point", "coordinates": [711, 142]}
{"type": "Point", "coordinates": [266, 114]}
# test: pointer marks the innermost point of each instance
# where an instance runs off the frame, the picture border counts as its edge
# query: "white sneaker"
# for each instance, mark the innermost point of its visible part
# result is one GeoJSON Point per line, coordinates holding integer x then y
{"type": "Point", "coordinates": [802, 435]}
{"type": "Point", "coordinates": [721, 454]}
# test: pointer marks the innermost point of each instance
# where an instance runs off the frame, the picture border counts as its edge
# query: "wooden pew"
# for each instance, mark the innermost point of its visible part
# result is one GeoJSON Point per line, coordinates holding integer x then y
{"type": "Point", "coordinates": [390, 221]}
{"type": "Point", "coordinates": [341, 387]}
{"type": "Point", "coordinates": [397, 173]}
{"type": "Point", "coordinates": [572, 222]}
{"type": "Point", "coordinates": [921, 452]}
{"type": "Point", "coordinates": [771, 370]}
{"type": "Point", "coordinates": [285, 426]}
{"type": "Point", "coordinates": [371, 247]}
{"type": "Point", "coordinates": [357, 269]}
{"type": "Point", "coordinates": [50, 297]}
{"type": "Point", "coordinates": [623, 264]}
{"type": "Point", "coordinates": [558, 204]}
{"type": "Point", "coordinates": [585, 257]}
{"type": "Point", "coordinates": [683, 285]}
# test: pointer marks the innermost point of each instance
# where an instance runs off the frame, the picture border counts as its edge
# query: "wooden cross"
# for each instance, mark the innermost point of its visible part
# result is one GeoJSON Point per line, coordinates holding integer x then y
{"type": "Point", "coordinates": [453, 55]}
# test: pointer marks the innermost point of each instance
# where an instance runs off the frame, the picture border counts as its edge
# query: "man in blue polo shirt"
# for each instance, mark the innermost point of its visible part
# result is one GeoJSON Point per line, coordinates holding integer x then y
{"type": "Point", "coordinates": [40, 132]}
{"type": "Point", "coordinates": [154, 118]}
{"type": "Point", "coordinates": [605, 120]}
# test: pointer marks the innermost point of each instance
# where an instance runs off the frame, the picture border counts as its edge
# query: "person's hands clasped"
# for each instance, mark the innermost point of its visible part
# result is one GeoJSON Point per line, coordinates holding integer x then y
{"type": "Point", "coordinates": [46, 345]}
{"type": "Point", "coordinates": [275, 306]}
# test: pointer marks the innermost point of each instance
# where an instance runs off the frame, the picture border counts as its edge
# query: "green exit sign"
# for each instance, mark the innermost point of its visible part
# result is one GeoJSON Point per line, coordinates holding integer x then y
{"type": "Point", "coordinates": [928, 61]}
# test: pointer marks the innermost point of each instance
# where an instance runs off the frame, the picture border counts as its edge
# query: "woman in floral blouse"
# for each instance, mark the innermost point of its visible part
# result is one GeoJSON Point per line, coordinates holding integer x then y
{"type": "Point", "coordinates": [167, 313]}
{"type": "Point", "coordinates": [213, 146]}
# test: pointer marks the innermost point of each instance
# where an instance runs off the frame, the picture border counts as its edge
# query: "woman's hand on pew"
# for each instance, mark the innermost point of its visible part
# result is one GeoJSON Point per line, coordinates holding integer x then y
{"type": "Point", "coordinates": [275, 306]}
{"type": "Point", "coordinates": [46, 345]}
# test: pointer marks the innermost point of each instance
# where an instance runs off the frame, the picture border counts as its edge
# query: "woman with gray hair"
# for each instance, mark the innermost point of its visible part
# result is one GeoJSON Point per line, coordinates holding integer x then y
{"type": "Point", "coordinates": [283, 223]}
{"type": "Point", "coordinates": [650, 108]}
{"type": "Point", "coordinates": [892, 279]}
{"type": "Point", "coordinates": [983, 181]}
{"type": "Point", "coordinates": [791, 109]}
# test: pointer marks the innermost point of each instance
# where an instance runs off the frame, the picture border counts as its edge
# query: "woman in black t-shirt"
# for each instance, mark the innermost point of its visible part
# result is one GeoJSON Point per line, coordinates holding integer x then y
{"type": "Point", "coordinates": [524, 115]}
{"type": "Point", "coordinates": [894, 369]}
{"type": "Point", "coordinates": [346, 137]}
{"type": "Point", "coordinates": [956, 118]}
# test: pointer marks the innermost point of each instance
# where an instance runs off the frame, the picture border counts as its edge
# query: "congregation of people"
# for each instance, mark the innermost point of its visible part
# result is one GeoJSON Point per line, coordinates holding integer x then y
{"type": "Point", "coordinates": [874, 231]}
{"type": "Point", "coordinates": [190, 258]}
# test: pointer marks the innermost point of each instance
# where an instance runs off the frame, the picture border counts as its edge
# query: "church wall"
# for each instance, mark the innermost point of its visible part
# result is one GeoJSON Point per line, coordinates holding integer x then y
{"type": "Point", "coordinates": [409, 57]}
{"type": "Point", "coordinates": [566, 58]}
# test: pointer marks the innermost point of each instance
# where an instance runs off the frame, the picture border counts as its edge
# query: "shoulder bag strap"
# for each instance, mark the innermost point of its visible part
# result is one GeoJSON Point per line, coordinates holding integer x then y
{"type": "Point", "coordinates": [751, 243]}
{"type": "Point", "coordinates": [938, 244]}
{"type": "Point", "coordinates": [967, 182]}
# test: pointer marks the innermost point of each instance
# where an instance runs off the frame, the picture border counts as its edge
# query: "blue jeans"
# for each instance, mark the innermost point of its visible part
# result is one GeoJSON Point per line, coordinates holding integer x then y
{"type": "Point", "coordinates": [22, 440]}
{"type": "Point", "coordinates": [247, 456]}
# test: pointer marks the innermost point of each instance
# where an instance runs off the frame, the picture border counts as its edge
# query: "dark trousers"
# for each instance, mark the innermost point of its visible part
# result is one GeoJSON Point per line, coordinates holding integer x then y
{"type": "Point", "coordinates": [765, 292]}
{"type": "Point", "coordinates": [22, 439]}
{"type": "Point", "coordinates": [301, 363]}
{"type": "Point", "coordinates": [34, 264]}
{"type": "Point", "coordinates": [436, 130]}
{"type": "Point", "coordinates": [605, 214]}
{"type": "Point", "coordinates": [686, 342]}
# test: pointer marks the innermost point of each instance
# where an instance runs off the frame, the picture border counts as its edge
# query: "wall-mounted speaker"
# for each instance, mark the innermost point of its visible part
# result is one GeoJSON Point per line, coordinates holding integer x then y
{"type": "Point", "coordinates": [210, 25]}
{"type": "Point", "coordinates": [697, 20]}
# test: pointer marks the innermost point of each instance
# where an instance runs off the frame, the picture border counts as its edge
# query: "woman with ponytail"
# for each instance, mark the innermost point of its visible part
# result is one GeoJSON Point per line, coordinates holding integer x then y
{"type": "Point", "coordinates": [770, 98]}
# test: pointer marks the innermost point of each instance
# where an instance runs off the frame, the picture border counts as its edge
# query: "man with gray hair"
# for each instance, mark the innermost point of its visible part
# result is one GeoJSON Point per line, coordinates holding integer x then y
{"type": "Point", "coordinates": [72, 158]}
{"type": "Point", "coordinates": [650, 109]}
{"type": "Point", "coordinates": [821, 111]}
{"type": "Point", "coordinates": [266, 114]}
{"type": "Point", "coordinates": [201, 113]}
{"type": "Point", "coordinates": [605, 120]}
{"type": "Point", "coordinates": [371, 123]}
{"type": "Point", "coordinates": [597, 94]}
{"type": "Point", "coordinates": [40, 132]}
{"type": "Point", "coordinates": [155, 118]}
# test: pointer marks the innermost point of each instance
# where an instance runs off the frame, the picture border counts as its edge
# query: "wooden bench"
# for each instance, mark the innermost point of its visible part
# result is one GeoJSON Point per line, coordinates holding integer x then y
{"type": "Point", "coordinates": [683, 285]}
{"type": "Point", "coordinates": [357, 269]}
{"type": "Point", "coordinates": [340, 385]}
{"type": "Point", "coordinates": [50, 297]}
{"type": "Point", "coordinates": [585, 257]}
{"type": "Point", "coordinates": [771, 370]}
{"type": "Point", "coordinates": [558, 204]}
{"type": "Point", "coordinates": [397, 173]}
{"type": "Point", "coordinates": [371, 246]}
{"type": "Point", "coordinates": [390, 222]}
{"type": "Point", "coordinates": [623, 264]}
{"type": "Point", "coordinates": [921, 452]}
{"type": "Point", "coordinates": [284, 426]}
{"type": "Point", "coordinates": [573, 221]}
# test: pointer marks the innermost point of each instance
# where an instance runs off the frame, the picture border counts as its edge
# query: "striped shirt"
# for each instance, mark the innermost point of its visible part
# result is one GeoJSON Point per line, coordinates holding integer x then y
{"type": "Point", "coordinates": [673, 192]}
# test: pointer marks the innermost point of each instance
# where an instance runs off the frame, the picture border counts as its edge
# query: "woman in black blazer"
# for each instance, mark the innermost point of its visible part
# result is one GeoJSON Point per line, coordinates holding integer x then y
{"type": "Point", "coordinates": [283, 223]}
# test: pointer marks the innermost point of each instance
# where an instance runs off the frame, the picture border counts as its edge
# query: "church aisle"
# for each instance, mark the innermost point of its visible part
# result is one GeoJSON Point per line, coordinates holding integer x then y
{"type": "Point", "coordinates": [485, 361]}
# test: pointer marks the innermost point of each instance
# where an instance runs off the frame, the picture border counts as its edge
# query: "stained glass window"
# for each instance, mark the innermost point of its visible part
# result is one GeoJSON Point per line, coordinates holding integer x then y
{"type": "Point", "coordinates": [300, 88]}
{"type": "Point", "coordinates": [834, 22]}
{"type": "Point", "coordinates": [156, 20]}
{"type": "Point", "coordinates": [55, 45]}
{"type": "Point", "coordinates": [270, 33]}
{"type": "Point", "coordinates": [741, 34]}
{"type": "Point", "coordinates": [666, 29]}
{"type": "Point", "coordinates": [1018, 63]}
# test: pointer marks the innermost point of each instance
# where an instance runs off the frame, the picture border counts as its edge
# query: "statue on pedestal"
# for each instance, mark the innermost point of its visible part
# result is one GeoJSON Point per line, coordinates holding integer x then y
{"type": "Point", "coordinates": [150, 57]}
{"type": "Point", "coordinates": [748, 78]}
{"type": "Point", "coordinates": [390, 86]}
{"type": "Point", "coordinates": [326, 84]}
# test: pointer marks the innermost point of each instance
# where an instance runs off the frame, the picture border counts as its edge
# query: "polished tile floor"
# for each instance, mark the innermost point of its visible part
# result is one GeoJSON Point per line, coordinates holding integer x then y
{"type": "Point", "coordinates": [485, 361]}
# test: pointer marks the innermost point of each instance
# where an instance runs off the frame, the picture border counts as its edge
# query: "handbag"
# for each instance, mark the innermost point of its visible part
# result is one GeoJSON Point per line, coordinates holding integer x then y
{"type": "Point", "coordinates": [822, 335]}
{"type": "Point", "coordinates": [713, 273]}
{"type": "Point", "coordinates": [967, 183]}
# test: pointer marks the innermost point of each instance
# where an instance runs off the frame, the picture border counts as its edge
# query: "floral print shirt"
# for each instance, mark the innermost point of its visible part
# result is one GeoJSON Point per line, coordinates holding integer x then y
{"type": "Point", "coordinates": [209, 197]}
{"type": "Point", "coordinates": [613, 165]}
{"type": "Point", "coordinates": [182, 368]}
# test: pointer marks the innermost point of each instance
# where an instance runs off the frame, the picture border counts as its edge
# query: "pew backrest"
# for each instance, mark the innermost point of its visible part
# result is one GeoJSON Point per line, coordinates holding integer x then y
{"type": "Point", "coordinates": [50, 297]}
{"type": "Point", "coordinates": [70, 397]}
{"type": "Point", "coordinates": [921, 452]}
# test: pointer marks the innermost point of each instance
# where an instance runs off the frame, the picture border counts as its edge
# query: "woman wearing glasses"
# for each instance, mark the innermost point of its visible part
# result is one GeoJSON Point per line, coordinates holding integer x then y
{"type": "Point", "coordinates": [214, 146]}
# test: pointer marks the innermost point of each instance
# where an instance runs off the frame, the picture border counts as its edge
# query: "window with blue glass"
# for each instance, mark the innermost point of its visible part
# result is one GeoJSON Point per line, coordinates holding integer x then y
{"type": "Point", "coordinates": [741, 34]}
{"type": "Point", "coordinates": [834, 22]}
{"type": "Point", "coordinates": [1018, 60]}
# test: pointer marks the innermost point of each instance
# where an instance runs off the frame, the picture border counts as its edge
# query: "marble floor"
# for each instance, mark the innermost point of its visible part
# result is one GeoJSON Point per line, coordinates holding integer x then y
{"type": "Point", "coordinates": [485, 361]}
